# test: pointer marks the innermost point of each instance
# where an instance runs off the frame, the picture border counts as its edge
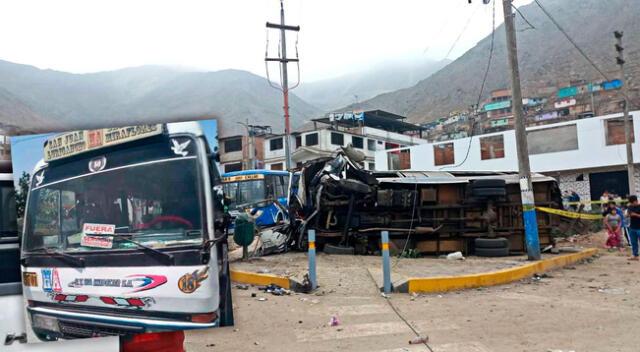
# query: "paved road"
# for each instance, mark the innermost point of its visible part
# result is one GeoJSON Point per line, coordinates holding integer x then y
{"type": "Point", "coordinates": [586, 307]}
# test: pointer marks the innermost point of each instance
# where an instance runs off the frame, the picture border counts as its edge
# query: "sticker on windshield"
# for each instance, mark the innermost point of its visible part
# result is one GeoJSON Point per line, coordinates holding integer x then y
{"type": "Point", "coordinates": [98, 229]}
{"type": "Point", "coordinates": [97, 241]}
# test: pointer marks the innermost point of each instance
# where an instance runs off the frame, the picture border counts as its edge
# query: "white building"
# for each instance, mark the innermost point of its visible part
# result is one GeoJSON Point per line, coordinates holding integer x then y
{"type": "Point", "coordinates": [587, 155]}
{"type": "Point", "coordinates": [369, 131]}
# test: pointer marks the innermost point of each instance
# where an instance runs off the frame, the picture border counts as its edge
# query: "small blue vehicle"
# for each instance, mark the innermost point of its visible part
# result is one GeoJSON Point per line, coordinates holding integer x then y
{"type": "Point", "coordinates": [254, 192]}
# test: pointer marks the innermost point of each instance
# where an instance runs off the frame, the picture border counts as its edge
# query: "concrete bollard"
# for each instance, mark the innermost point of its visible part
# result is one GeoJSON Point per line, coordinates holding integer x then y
{"type": "Point", "coordinates": [312, 259]}
{"type": "Point", "coordinates": [386, 263]}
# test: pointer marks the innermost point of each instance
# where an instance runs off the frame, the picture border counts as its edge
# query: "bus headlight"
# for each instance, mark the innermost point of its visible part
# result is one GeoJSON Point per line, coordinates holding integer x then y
{"type": "Point", "coordinates": [45, 322]}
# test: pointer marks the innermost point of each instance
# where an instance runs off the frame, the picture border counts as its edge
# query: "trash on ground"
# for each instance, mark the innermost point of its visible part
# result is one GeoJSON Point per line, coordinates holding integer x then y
{"type": "Point", "coordinates": [242, 287]}
{"type": "Point", "coordinates": [263, 271]}
{"type": "Point", "coordinates": [334, 321]}
{"type": "Point", "coordinates": [455, 256]}
{"type": "Point", "coordinates": [275, 290]}
{"type": "Point", "coordinates": [418, 340]}
{"type": "Point", "coordinates": [262, 299]}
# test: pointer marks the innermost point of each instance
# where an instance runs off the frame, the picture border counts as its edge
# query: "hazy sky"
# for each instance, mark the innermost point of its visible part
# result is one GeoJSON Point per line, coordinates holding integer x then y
{"type": "Point", "coordinates": [337, 36]}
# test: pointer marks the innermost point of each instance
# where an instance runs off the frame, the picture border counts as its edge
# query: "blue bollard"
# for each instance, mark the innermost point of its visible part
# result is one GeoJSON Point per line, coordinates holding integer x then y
{"type": "Point", "coordinates": [312, 259]}
{"type": "Point", "coordinates": [386, 265]}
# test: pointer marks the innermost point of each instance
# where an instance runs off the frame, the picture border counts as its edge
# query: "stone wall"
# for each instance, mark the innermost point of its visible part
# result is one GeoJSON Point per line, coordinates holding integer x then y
{"type": "Point", "coordinates": [569, 182]}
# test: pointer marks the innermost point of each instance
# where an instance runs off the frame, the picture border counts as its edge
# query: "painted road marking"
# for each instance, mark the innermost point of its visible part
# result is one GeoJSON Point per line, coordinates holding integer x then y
{"type": "Point", "coordinates": [363, 309]}
{"type": "Point", "coordinates": [560, 303]}
{"type": "Point", "coordinates": [447, 347]}
{"type": "Point", "coordinates": [370, 329]}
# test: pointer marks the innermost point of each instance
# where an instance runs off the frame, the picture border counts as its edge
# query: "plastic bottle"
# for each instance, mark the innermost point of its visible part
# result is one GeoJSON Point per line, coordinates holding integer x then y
{"type": "Point", "coordinates": [418, 340]}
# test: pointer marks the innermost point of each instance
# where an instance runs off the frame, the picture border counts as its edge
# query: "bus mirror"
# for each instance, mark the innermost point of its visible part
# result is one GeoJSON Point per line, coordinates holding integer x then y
{"type": "Point", "coordinates": [214, 156]}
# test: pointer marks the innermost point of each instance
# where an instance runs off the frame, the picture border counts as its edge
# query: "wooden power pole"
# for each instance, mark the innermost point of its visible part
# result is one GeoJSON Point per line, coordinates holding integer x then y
{"type": "Point", "coordinates": [526, 186]}
{"type": "Point", "coordinates": [628, 122]}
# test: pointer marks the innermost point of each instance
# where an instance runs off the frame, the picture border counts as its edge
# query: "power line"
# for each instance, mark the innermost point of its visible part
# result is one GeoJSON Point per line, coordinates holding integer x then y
{"type": "Point", "coordinates": [524, 18]}
{"type": "Point", "coordinates": [553, 20]}
{"type": "Point", "coordinates": [484, 80]}
{"type": "Point", "coordinates": [462, 32]}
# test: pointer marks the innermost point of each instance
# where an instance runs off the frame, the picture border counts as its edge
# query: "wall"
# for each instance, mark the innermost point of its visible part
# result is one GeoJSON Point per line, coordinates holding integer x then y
{"type": "Point", "coordinates": [592, 153]}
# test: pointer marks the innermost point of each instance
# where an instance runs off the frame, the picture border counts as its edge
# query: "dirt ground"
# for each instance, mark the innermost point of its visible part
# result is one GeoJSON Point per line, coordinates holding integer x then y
{"type": "Point", "coordinates": [589, 306]}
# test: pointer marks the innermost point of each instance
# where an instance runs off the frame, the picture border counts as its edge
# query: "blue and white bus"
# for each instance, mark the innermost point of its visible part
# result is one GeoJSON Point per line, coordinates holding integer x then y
{"type": "Point", "coordinates": [254, 192]}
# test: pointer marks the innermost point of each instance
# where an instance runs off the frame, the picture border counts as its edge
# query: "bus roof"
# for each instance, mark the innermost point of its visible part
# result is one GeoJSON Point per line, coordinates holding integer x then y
{"type": "Point", "coordinates": [255, 172]}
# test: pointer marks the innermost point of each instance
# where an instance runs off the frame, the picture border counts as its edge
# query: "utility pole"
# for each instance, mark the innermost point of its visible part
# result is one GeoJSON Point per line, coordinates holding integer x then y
{"type": "Point", "coordinates": [283, 60]}
{"type": "Point", "coordinates": [251, 145]}
{"type": "Point", "coordinates": [628, 124]}
{"type": "Point", "coordinates": [253, 131]}
{"type": "Point", "coordinates": [526, 186]}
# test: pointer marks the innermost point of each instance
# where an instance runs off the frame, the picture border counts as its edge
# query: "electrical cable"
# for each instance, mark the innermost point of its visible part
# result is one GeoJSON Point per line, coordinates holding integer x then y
{"type": "Point", "coordinates": [524, 18]}
{"type": "Point", "coordinates": [413, 212]}
{"type": "Point", "coordinates": [553, 20]}
{"type": "Point", "coordinates": [395, 310]}
{"type": "Point", "coordinates": [462, 32]}
{"type": "Point", "coordinates": [484, 80]}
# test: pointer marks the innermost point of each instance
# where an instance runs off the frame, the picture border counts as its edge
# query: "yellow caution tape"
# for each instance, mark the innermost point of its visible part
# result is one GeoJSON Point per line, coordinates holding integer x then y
{"type": "Point", "coordinates": [570, 214]}
{"type": "Point", "coordinates": [596, 201]}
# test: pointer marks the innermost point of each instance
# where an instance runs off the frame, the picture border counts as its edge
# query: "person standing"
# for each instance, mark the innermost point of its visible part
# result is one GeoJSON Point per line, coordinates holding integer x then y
{"type": "Point", "coordinates": [613, 222]}
{"type": "Point", "coordinates": [634, 225]}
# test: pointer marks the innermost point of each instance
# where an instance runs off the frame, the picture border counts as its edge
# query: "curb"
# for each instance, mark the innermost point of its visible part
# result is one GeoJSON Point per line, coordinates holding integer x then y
{"type": "Point", "coordinates": [492, 278]}
{"type": "Point", "coordinates": [245, 277]}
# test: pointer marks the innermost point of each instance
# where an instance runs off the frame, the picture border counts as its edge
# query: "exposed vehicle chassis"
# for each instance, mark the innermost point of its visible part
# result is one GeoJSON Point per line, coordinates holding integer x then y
{"type": "Point", "coordinates": [431, 212]}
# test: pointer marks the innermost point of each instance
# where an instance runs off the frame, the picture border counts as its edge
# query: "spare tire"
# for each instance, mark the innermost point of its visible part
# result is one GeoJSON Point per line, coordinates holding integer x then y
{"type": "Point", "coordinates": [489, 183]}
{"type": "Point", "coordinates": [492, 252]}
{"type": "Point", "coordinates": [500, 242]}
{"type": "Point", "coordinates": [489, 192]}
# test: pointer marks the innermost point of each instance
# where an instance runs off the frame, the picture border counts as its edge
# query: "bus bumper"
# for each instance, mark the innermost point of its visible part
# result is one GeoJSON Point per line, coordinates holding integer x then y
{"type": "Point", "coordinates": [68, 324]}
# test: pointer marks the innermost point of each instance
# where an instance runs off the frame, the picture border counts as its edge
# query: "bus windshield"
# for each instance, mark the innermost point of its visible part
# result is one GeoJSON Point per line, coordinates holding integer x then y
{"type": "Point", "coordinates": [153, 203]}
{"type": "Point", "coordinates": [244, 192]}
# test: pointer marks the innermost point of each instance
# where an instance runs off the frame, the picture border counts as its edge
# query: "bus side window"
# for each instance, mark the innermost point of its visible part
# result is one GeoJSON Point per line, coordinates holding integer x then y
{"type": "Point", "coordinates": [281, 186]}
{"type": "Point", "coordinates": [286, 186]}
{"type": "Point", "coordinates": [270, 186]}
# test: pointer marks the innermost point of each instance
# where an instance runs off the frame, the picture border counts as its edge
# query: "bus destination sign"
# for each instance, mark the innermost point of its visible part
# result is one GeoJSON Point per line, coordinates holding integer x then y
{"type": "Point", "coordinates": [76, 142]}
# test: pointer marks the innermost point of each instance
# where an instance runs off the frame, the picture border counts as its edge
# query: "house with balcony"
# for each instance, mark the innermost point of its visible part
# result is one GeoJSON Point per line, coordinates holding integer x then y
{"type": "Point", "coordinates": [366, 131]}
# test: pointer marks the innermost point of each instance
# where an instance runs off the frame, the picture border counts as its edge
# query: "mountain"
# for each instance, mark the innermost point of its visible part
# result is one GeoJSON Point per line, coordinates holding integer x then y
{"type": "Point", "coordinates": [546, 58]}
{"type": "Point", "coordinates": [34, 100]}
{"type": "Point", "coordinates": [381, 78]}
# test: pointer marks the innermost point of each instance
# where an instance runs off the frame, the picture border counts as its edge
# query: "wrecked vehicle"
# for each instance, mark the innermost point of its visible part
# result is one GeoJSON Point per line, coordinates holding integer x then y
{"type": "Point", "coordinates": [428, 211]}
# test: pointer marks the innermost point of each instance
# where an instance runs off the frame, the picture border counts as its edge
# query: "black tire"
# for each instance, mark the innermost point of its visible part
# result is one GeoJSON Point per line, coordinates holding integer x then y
{"type": "Point", "coordinates": [354, 186]}
{"type": "Point", "coordinates": [333, 249]}
{"type": "Point", "coordinates": [488, 183]}
{"type": "Point", "coordinates": [489, 192]}
{"type": "Point", "coordinates": [492, 252]}
{"type": "Point", "coordinates": [492, 242]}
{"type": "Point", "coordinates": [226, 302]}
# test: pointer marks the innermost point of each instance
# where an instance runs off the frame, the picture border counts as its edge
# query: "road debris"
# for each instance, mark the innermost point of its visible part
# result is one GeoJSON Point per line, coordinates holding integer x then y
{"type": "Point", "coordinates": [275, 290]}
{"type": "Point", "coordinates": [262, 299]}
{"type": "Point", "coordinates": [242, 287]}
{"type": "Point", "coordinates": [455, 256]}
{"type": "Point", "coordinates": [418, 340]}
{"type": "Point", "coordinates": [334, 321]}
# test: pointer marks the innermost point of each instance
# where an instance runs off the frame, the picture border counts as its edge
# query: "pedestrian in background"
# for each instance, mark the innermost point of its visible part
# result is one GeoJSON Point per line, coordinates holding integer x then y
{"type": "Point", "coordinates": [613, 222]}
{"type": "Point", "coordinates": [625, 223]}
{"type": "Point", "coordinates": [634, 225]}
{"type": "Point", "coordinates": [574, 198]}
